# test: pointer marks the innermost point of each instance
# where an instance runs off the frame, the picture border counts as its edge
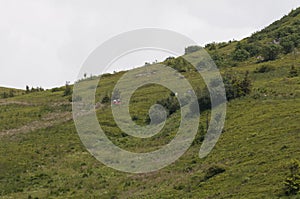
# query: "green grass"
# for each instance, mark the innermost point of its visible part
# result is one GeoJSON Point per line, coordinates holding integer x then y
{"type": "Point", "coordinates": [250, 160]}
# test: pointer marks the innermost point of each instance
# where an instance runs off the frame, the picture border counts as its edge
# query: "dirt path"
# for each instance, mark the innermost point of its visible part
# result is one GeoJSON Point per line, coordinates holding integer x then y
{"type": "Point", "coordinates": [5, 102]}
{"type": "Point", "coordinates": [47, 121]}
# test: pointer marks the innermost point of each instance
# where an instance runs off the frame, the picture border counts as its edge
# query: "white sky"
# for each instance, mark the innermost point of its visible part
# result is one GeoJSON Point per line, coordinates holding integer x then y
{"type": "Point", "coordinates": [44, 42]}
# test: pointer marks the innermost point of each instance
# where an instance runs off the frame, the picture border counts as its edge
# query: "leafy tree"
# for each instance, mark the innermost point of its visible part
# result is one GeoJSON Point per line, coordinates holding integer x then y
{"type": "Point", "coordinates": [171, 103]}
{"type": "Point", "coordinates": [27, 89]}
{"type": "Point", "coordinates": [217, 58]}
{"type": "Point", "coordinates": [240, 55]}
{"type": "Point", "coordinates": [270, 52]}
{"type": "Point", "coordinates": [246, 84]}
{"type": "Point", "coordinates": [254, 49]}
{"type": "Point", "coordinates": [204, 99]}
{"type": "Point", "coordinates": [68, 90]}
{"type": "Point", "coordinates": [287, 45]}
{"type": "Point", "coordinates": [179, 64]}
{"type": "Point", "coordinates": [211, 46]}
{"type": "Point", "coordinates": [236, 87]}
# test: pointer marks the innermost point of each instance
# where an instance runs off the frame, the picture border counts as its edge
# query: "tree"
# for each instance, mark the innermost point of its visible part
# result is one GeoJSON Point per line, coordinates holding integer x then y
{"type": "Point", "coordinates": [254, 49]}
{"type": "Point", "coordinates": [240, 55]}
{"type": "Point", "coordinates": [235, 87]}
{"type": "Point", "coordinates": [246, 84]}
{"type": "Point", "coordinates": [68, 89]}
{"type": "Point", "coordinates": [287, 45]}
{"type": "Point", "coordinates": [211, 46]}
{"type": "Point", "coordinates": [171, 103]}
{"type": "Point", "coordinates": [27, 89]}
{"type": "Point", "coordinates": [270, 52]}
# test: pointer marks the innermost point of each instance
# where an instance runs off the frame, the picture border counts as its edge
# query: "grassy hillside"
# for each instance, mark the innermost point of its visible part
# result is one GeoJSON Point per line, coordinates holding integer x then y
{"type": "Point", "coordinates": [42, 156]}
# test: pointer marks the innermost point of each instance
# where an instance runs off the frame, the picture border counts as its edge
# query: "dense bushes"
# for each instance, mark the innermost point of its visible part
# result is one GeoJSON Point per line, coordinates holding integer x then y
{"type": "Point", "coordinates": [292, 182]}
{"type": "Point", "coordinates": [11, 93]}
{"type": "Point", "coordinates": [192, 49]}
{"type": "Point", "coordinates": [179, 64]}
{"type": "Point", "coordinates": [171, 104]}
{"type": "Point", "coordinates": [270, 52]}
{"type": "Point", "coordinates": [105, 99]}
{"type": "Point", "coordinates": [236, 87]}
{"type": "Point", "coordinates": [68, 90]}
{"type": "Point", "coordinates": [240, 55]}
{"type": "Point", "coordinates": [32, 90]}
{"type": "Point", "coordinates": [264, 69]}
{"type": "Point", "coordinates": [293, 72]}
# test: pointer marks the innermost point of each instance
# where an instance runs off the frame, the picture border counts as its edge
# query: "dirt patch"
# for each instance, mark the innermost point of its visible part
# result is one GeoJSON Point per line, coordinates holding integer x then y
{"type": "Point", "coordinates": [6, 102]}
{"type": "Point", "coordinates": [46, 121]}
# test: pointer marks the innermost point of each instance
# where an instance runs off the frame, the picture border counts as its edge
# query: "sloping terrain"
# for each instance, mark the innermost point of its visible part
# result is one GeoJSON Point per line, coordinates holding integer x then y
{"type": "Point", "coordinates": [42, 156]}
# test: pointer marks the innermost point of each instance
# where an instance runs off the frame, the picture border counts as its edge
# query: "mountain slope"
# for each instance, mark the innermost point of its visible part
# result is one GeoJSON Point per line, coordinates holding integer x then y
{"type": "Point", "coordinates": [42, 156]}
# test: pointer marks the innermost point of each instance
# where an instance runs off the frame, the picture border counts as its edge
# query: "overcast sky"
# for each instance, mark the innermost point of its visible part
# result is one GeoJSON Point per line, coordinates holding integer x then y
{"type": "Point", "coordinates": [44, 42]}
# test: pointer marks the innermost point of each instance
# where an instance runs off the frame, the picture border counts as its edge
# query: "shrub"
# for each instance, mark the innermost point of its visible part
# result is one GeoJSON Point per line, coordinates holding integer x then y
{"type": "Point", "coordinates": [270, 52]}
{"type": "Point", "coordinates": [287, 46]}
{"type": "Point", "coordinates": [4, 95]}
{"type": "Point", "coordinates": [236, 87]}
{"type": "Point", "coordinates": [11, 93]}
{"type": "Point", "coordinates": [192, 49]}
{"type": "Point", "coordinates": [171, 104]}
{"type": "Point", "coordinates": [292, 182]}
{"type": "Point", "coordinates": [264, 69]}
{"type": "Point", "coordinates": [218, 59]}
{"type": "Point", "coordinates": [240, 55]}
{"type": "Point", "coordinates": [56, 89]}
{"type": "Point", "coordinates": [293, 72]}
{"type": "Point", "coordinates": [213, 171]}
{"type": "Point", "coordinates": [105, 99]}
{"type": "Point", "coordinates": [211, 46]}
{"type": "Point", "coordinates": [179, 64]}
{"type": "Point", "coordinates": [253, 49]}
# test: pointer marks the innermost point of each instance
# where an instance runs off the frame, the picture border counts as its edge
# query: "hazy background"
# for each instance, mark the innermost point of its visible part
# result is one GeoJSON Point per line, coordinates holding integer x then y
{"type": "Point", "coordinates": [44, 42]}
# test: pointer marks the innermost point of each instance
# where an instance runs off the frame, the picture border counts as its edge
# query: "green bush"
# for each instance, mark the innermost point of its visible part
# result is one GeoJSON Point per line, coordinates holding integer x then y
{"type": "Point", "coordinates": [293, 72]}
{"type": "Point", "coordinates": [264, 69]}
{"type": "Point", "coordinates": [68, 90]}
{"type": "Point", "coordinates": [105, 99]}
{"type": "Point", "coordinates": [171, 104]}
{"type": "Point", "coordinates": [287, 46]}
{"type": "Point", "coordinates": [271, 52]}
{"type": "Point", "coordinates": [192, 49]}
{"type": "Point", "coordinates": [213, 171]}
{"type": "Point", "coordinates": [236, 87]}
{"type": "Point", "coordinates": [240, 55]}
{"type": "Point", "coordinates": [292, 182]}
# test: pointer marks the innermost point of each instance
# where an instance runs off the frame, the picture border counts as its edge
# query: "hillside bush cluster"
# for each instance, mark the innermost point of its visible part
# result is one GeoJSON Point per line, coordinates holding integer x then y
{"type": "Point", "coordinates": [11, 93]}
{"type": "Point", "coordinates": [292, 182]}
{"type": "Point", "coordinates": [32, 90]}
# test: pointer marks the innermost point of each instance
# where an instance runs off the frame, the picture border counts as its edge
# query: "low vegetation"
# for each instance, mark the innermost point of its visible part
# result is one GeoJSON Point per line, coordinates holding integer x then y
{"type": "Point", "coordinates": [257, 155]}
